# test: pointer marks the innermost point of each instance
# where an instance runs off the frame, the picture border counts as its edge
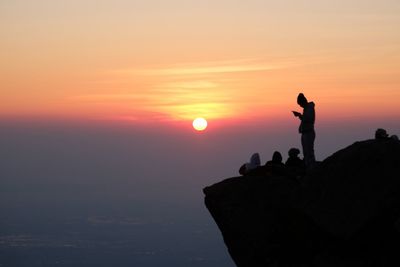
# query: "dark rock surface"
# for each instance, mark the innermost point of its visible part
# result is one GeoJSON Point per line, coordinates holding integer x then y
{"type": "Point", "coordinates": [345, 213]}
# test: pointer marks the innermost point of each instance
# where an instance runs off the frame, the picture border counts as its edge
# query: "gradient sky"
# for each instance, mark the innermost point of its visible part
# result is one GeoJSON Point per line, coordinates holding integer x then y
{"type": "Point", "coordinates": [97, 99]}
{"type": "Point", "coordinates": [159, 60]}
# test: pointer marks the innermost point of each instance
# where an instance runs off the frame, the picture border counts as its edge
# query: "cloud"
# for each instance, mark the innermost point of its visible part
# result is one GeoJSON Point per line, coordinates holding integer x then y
{"type": "Point", "coordinates": [209, 68]}
{"type": "Point", "coordinates": [183, 91]}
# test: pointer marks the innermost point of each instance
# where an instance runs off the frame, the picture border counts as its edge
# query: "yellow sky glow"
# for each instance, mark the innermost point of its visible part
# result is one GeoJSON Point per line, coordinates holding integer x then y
{"type": "Point", "coordinates": [178, 60]}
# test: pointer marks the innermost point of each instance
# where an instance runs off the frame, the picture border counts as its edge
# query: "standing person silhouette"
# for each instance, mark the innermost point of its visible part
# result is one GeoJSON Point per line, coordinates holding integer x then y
{"type": "Point", "coordinates": [307, 129]}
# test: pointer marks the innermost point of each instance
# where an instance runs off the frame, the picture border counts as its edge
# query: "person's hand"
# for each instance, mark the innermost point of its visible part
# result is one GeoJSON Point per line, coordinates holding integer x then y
{"type": "Point", "coordinates": [296, 114]}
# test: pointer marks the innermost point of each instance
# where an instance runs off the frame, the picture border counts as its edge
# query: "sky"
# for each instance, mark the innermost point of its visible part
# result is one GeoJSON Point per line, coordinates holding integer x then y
{"type": "Point", "coordinates": [177, 60]}
{"type": "Point", "coordinates": [97, 99]}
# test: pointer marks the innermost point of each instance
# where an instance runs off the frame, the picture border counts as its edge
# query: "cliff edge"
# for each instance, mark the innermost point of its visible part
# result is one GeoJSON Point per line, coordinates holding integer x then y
{"type": "Point", "coordinates": [345, 213]}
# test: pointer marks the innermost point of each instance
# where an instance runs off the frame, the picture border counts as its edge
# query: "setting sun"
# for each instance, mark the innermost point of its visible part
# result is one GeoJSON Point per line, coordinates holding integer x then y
{"type": "Point", "coordinates": [199, 124]}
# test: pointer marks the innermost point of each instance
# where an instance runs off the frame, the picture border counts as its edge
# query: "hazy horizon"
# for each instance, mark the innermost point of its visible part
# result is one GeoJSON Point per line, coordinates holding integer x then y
{"type": "Point", "coordinates": [104, 193]}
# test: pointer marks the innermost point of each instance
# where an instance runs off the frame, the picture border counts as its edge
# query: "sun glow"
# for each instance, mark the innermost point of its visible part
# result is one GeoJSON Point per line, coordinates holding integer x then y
{"type": "Point", "coordinates": [199, 124]}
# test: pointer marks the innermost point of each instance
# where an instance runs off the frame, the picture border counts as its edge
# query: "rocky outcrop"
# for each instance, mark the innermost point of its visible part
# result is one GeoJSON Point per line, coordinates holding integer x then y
{"type": "Point", "coordinates": [345, 213]}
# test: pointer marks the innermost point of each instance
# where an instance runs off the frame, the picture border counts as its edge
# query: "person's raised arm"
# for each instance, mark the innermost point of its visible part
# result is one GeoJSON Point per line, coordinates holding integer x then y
{"type": "Point", "coordinates": [298, 114]}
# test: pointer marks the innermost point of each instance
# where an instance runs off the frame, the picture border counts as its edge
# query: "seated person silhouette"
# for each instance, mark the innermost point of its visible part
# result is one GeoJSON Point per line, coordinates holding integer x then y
{"type": "Point", "coordinates": [276, 160]}
{"type": "Point", "coordinates": [294, 164]}
{"type": "Point", "coordinates": [275, 166]}
{"type": "Point", "coordinates": [250, 166]}
{"type": "Point", "coordinates": [381, 134]}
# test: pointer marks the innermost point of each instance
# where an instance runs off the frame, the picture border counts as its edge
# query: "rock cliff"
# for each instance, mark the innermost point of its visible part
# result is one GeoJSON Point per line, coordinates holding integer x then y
{"type": "Point", "coordinates": [345, 213]}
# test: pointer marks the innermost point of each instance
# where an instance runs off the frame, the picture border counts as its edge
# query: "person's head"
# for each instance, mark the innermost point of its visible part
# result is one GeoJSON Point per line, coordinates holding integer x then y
{"type": "Point", "coordinates": [277, 157]}
{"type": "Point", "coordinates": [302, 100]}
{"type": "Point", "coordinates": [293, 152]}
{"type": "Point", "coordinates": [381, 134]}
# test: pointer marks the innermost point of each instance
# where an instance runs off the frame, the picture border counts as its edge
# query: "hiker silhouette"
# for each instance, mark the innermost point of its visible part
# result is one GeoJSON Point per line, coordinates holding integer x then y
{"type": "Point", "coordinates": [275, 166]}
{"type": "Point", "coordinates": [276, 160]}
{"type": "Point", "coordinates": [294, 164]}
{"type": "Point", "coordinates": [306, 129]}
{"type": "Point", "coordinates": [252, 165]}
{"type": "Point", "coordinates": [381, 134]}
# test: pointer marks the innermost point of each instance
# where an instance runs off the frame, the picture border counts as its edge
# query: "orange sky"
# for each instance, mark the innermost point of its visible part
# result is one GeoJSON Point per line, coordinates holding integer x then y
{"type": "Point", "coordinates": [180, 59]}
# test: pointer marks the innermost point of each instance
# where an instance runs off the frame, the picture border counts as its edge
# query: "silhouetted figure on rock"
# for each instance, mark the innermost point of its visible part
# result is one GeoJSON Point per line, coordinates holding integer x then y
{"type": "Point", "coordinates": [275, 166]}
{"type": "Point", "coordinates": [381, 134]}
{"type": "Point", "coordinates": [294, 164]}
{"type": "Point", "coordinates": [306, 129]}
{"type": "Point", "coordinates": [250, 166]}
{"type": "Point", "coordinates": [276, 160]}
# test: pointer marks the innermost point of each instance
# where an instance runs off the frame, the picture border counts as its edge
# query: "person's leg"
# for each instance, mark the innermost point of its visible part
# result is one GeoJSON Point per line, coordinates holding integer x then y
{"type": "Point", "coordinates": [311, 147]}
{"type": "Point", "coordinates": [305, 148]}
{"type": "Point", "coordinates": [307, 141]}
